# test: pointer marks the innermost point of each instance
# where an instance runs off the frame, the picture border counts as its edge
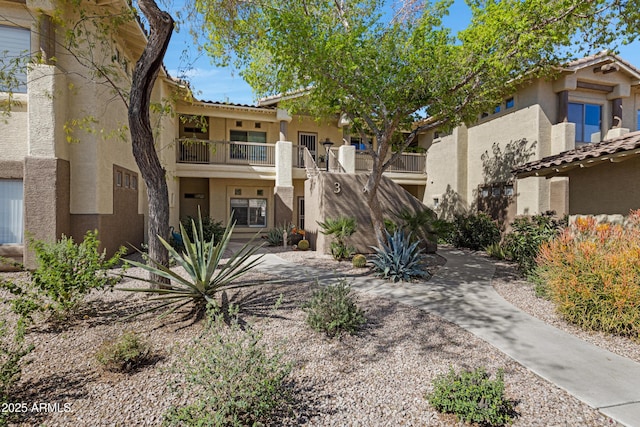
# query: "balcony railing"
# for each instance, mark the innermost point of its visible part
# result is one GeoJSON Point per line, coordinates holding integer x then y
{"type": "Point", "coordinates": [225, 152]}
{"type": "Point", "coordinates": [405, 163]}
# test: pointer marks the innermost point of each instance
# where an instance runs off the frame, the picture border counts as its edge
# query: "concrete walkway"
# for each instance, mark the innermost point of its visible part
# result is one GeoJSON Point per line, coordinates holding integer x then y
{"type": "Point", "coordinates": [461, 292]}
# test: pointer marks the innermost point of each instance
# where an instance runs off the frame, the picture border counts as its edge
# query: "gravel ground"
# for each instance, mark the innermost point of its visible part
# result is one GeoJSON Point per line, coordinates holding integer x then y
{"type": "Point", "coordinates": [376, 378]}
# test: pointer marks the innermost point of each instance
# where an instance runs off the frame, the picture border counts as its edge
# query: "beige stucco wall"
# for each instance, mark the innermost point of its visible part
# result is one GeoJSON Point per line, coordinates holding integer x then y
{"type": "Point", "coordinates": [609, 188]}
{"type": "Point", "coordinates": [447, 168]}
{"type": "Point", "coordinates": [14, 144]}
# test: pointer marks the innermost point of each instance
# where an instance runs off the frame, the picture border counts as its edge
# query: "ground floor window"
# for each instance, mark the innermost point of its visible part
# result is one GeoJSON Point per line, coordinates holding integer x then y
{"type": "Point", "coordinates": [249, 212]}
{"type": "Point", "coordinates": [301, 213]}
{"type": "Point", "coordinates": [11, 211]}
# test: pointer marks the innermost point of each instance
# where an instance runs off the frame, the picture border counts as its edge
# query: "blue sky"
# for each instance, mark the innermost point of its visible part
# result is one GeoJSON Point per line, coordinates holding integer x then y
{"type": "Point", "coordinates": [225, 84]}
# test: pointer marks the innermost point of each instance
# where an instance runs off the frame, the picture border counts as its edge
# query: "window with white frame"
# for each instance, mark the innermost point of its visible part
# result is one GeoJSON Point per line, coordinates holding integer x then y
{"type": "Point", "coordinates": [249, 212]}
{"type": "Point", "coordinates": [15, 45]}
{"type": "Point", "coordinates": [11, 211]}
{"type": "Point", "coordinates": [587, 118]}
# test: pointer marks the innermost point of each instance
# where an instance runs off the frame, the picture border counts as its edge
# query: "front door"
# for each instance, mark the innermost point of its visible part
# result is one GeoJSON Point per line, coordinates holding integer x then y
{"type": "Point", "coordinates": [309, 140]}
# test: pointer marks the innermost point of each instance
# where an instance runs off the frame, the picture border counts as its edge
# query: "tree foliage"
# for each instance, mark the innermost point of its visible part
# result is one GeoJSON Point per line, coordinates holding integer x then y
{"type": "Point", "coordinates": [384, 71]}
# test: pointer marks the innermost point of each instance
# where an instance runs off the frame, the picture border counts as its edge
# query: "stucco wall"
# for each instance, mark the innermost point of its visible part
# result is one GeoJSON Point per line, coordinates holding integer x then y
{"type": "Point", "coordinates": [14, 144]}
{"type": "Point", "coordinates": [610, 188]}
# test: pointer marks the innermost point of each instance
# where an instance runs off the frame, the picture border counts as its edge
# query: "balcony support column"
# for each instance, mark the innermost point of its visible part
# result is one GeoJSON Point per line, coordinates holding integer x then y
{"type": "Point", "coordinates": [347, 158]}
{"type": "Point", "coordinates": [284, 191]}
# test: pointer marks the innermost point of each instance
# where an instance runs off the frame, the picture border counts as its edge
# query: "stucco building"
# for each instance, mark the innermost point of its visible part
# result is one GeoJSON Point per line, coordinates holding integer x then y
{"type": "Point", "coordinates": [590, 100]}
{"type": "Point", "coordinates": [66, 164]}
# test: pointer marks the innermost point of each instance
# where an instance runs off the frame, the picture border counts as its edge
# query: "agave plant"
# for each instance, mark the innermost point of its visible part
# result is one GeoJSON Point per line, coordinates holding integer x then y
{"type": "Point", "coordinates": [399, 259]}
{"type": "Point", "coordinates": [206, 275]}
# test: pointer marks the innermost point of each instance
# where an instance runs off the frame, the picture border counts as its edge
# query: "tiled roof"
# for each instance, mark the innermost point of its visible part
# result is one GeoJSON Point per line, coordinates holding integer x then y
{"type": "Point", "coordinates": [627, 144]}
{"type": "Point", "coordinates": [604, 56]}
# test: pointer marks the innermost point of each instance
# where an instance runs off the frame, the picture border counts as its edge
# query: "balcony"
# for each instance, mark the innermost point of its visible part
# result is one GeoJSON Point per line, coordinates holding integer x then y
{"type": "Point", "coordinates": [225, 153]}
{"type": "Point", "coordinates": [405, 163]}
{"type": "Point", "coordinates": [205, 152]}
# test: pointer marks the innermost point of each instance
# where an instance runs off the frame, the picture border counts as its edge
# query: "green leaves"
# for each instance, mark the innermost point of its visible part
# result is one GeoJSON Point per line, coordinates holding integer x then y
{"type": "Point", "coordinates": [205, 273]}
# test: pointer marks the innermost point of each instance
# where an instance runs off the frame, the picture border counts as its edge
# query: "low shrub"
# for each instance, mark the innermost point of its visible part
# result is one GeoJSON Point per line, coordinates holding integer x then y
{"type": "Point", "coordinates": [528, 233]}
{"type": "Point", "coordinates": [303, 245]}
{"type": "Point", "coordinates": [591, 272]}
{"type": "Point", "coordinates": [274, 237]}
{"type": "Point", "coordinates": [231, 379]}
{"type": "Point", "coordinates": [444, 230]}
{"type": "Point", "coordinates": [333, 310]}
{"type": "Point", "coordinates": [475, 231]}
{"type": "Point", "coordinates": [399, 259]}
{"type": "Point", "coordinates": [13, 349]}
{"type": "Point", "coordinates": [340, 229]}
{"type": "Point", "coordinates": [359, 261]}
{"type": "Point", "coordinates": [66, 271]}
{"type": "Point", "coordinates": [126, 353]}
{"type": "Point", "coordinates": [473, 397]}
{"type": "Point", "coordinates": [210, 227]}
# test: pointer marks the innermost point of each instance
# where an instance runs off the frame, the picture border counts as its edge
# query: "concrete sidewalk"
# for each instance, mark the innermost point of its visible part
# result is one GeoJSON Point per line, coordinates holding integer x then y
{"type": "Point", "coordinates": [461, 292]}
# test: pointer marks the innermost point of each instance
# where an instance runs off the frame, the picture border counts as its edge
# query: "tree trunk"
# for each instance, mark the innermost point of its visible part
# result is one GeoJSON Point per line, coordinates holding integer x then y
{"type": "Point", "coordinates": [144, 76]}
{"type": "Point", "coordinates": [371, 190]}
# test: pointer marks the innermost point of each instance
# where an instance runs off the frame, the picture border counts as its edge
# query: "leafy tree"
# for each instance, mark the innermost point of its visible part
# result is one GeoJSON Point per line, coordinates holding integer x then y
{"type": "Point", "coordinates": [384, 71]}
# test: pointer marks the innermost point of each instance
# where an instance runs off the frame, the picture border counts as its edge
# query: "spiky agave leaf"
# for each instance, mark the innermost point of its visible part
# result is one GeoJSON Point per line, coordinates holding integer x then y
{"type": "Point", "coordinates": [206, 275]}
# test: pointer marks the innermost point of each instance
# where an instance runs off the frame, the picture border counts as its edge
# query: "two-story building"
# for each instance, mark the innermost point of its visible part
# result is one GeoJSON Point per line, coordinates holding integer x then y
{"type": "Point", "coordinates": [590, 100]}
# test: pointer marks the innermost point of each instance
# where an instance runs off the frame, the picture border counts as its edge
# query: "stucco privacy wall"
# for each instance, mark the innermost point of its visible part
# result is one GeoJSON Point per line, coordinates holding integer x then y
{"type": "Point", "coordinates": [330, 195]}
{"type": "Point", "coordinates": [525, 132]}
{"type": "Point", "coordinates": [610, 188]}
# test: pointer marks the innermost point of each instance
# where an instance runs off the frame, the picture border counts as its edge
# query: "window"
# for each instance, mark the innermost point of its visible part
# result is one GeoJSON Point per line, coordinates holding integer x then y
{"type": "Point", "coordinates": [357, 142]}
{"type": "Point", "coordinates": [588, 119]}
{"type": "Point", "coordinates": [11, 209]}
{"type": "Point", "coordinates": [134, 182]}
{"type": "Point", "coordinates": [15, 44]}
{"type": "Point", "coordinates": [497, 109]}
{"type": "Point", "coordinates": [508, 190]}
{"type": "Point", "coordinates": [485, 192]}
{"type": "Point", "coordinates": [495, 191]}
{"type": "Point", "coordinates": [119, 179]}
{"type": "Point", "coordinates": [127, 180]}
{"type": "Point", "coordinates": [638, 120]}
{"type": "Point", "coordinates": [510, 103]}
{"type": "Point", "coordinates": [248, 152]}
{"type": "Point", "coordinates": [249, 212]}
{"type": "Point", "coordinates": [436, 202]}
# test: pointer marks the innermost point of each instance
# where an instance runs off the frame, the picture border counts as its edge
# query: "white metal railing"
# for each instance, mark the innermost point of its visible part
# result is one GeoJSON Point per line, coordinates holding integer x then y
{"type": "Point", "coordinates": [225, 152]}
{"type": "Point", "coordinates": [309, 163]}
{"type": "Point", "coordinates": [406, 162]}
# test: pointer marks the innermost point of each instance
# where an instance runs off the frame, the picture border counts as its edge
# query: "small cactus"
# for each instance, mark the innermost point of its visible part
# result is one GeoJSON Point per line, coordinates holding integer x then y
{"type": "Point", "coordinates": [303, 245]}
{"type": "Point", "coordinates": [359, 261]}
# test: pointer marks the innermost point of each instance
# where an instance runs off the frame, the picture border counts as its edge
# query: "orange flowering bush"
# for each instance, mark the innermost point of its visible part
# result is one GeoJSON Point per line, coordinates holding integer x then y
{"type": "Point", "coordinates": [591, 272]}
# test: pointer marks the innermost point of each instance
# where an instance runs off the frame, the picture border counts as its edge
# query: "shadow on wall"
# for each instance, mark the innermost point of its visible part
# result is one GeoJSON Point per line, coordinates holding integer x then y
{"type": "Point", "coordinates": [451, 205]}
{"type": "Point", "coordinates": [330, 195]}
{"type": "Point", "coordinates": [497, 195]}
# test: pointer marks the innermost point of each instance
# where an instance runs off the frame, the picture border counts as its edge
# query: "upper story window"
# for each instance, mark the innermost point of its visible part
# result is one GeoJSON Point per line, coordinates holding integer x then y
{"type": "Point", "coordinates": [638, 120]}
{"type": "Point", "coordinates": [510, 103]}
{"type": "Point", "coordinates": [15, 45]}
{"type": "Point", "coordinates": [587, 118]}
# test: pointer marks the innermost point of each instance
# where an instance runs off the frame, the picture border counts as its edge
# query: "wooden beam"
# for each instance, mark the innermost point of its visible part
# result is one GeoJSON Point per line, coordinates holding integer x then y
{"type": "Point", "coordinates": [595, 86]}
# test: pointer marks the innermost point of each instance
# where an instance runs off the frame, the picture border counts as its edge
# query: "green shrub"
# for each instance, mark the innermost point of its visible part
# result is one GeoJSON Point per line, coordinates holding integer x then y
{"type": "Point", "coordinates": [473, 397]}
{"type": "Point", "coordinates": [231, 379]}
{"type": "Point", "coordinates": [211, 229]}
{"type": "Point", "coordinates": [333, 310]}
{"type": "Point", "coordinates": [475, 232]}
{"type": "Point", "coordinates": [496, 250]}
{"type": "Point", "coordinates": [66, 271]}
{"type": "Point", "coordinates": [359, 261]}
{"type": "Point", "coordinates": [303, 245]}
{"type": "Point", "coordinates": [523, 243]}
{"type": "Point", "coordinates": [591, 273]}
{"type": "Point", "coordinates": [124, 354]}
{"type": "Point", "coordinates": [274, 237]}
{"type": "Point", "coordinates": [444, 230]}
{"type": "Point", "coordinates": [340, 228]}
{"type": "Point", "coordinates": [419, 224]}
{"type": "Point", "coordinates": [12, 352]}
{"type": "Point", "coordinates": [205, 276]}
{"type": "Point", "coordinates": [399, 259]}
